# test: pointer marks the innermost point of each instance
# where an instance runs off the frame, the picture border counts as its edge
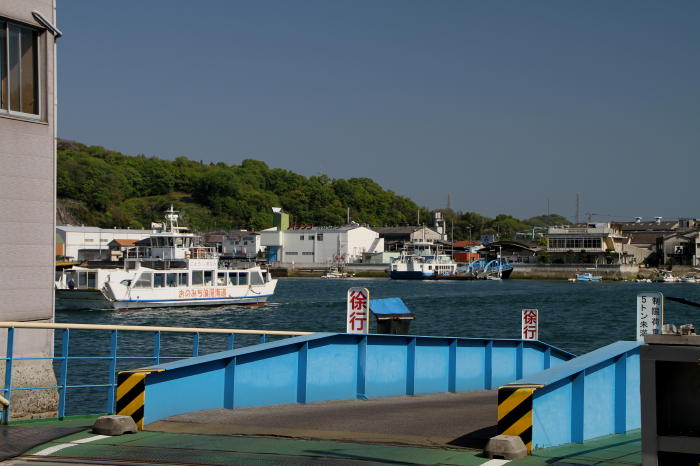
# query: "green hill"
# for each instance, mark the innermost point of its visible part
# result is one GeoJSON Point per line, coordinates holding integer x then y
{"type": "Point", "coordinates": [105, 188]}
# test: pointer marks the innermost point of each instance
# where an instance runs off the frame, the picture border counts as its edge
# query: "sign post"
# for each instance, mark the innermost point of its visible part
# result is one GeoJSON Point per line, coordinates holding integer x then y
{"type": "Point", "coordinates": [358, 310]}
{"type": "Point", "coordinates": [650, 314]}
{"type": "Point", "coordinates": [530, 324]}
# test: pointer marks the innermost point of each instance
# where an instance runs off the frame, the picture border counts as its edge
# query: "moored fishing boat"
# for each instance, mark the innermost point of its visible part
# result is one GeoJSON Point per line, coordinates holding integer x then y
{"type": "Point", "coordinates": [422, 260]}
{"type": "Point", "coordinates": [665, 277]}
{"type": "Point", "coordinates": [587, 277]}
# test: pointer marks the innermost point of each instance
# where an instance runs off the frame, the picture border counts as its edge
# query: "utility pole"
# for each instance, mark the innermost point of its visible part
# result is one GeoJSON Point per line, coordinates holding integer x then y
{"type": "Point", "coordinates": [577, 207]}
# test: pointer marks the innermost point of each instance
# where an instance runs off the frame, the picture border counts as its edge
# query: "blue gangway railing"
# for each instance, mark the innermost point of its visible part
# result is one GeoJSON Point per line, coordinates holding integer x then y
{"type": "Point", "coordinates": [593, 395]}
{"type": "Point", "coordinates": [334, 366]}
{"type": "Point", "coordinates": [80, 350]}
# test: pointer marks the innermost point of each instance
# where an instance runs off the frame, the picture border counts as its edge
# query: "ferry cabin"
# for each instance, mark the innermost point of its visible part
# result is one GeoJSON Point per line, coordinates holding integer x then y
{"type": "Point", "coordinates": [85, 279]}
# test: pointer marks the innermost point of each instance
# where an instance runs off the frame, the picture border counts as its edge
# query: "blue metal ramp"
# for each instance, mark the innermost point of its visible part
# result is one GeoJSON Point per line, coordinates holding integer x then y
{"type": "Point", "coordinates": [587, 397]}
{"type": "Point", "coordinates": [324, 367]}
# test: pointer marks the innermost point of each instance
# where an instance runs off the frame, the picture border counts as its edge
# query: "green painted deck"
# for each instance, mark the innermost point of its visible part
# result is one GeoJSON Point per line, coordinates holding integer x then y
{"type": "Point", "coordinates": [216, 449]}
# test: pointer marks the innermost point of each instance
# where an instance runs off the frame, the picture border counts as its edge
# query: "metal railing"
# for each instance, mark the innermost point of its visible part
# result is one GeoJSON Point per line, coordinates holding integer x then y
{"type": "Point", "coordinates": [112, 356]}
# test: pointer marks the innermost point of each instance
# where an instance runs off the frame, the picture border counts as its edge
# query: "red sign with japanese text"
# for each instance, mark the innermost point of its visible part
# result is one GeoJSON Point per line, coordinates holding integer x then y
{"type": "Point", "coordinates": [358, 310]}
{"type": "Point", "coordinates": [530, 327]}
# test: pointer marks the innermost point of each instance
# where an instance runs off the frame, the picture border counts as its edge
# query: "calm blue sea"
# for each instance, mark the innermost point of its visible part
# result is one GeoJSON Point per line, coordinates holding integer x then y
{"type": "Point", "coordinates": [577, 317]}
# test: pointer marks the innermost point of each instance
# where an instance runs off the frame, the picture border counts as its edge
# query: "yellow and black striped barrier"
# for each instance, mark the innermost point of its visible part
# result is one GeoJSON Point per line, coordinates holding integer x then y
{"type": "Point", "coordinates": [515, 411]}
{"type": "Point", "coordinates": [131, 394]}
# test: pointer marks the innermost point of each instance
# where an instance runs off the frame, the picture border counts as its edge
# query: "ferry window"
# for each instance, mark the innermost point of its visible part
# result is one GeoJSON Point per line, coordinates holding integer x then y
{"type": "Point", "coordinates": [256, 278]}
{"type": "Point", "coordinates": [208, 277]}
{"type": "Point", "coordinates": [301, 237]}
{"type": "Point", "coordinates": [91, 279]}
{"type": "Point", "coordinates": [221, 279]}
{"type": "Point", "coordinates": [182, 279]}
{"type": "Point", "coordinates": [144, 280]}
{"type": "Point", "coordinates": [82, 280]}
{"type": "Point", "coordinates": [243, 278]}
{"type": "Point", "coordinates": [19, 65]}
{"type": "Point", "coordinates": [311, 237]}
{"type": "Point", "coordinates": [197, 278]}
{"type": "Point", "coordinates": [158, 280]}
{"type": "Point", "coordinates": [319, 237]}
{"type": "Point", "coordinates": [172, 279]}
{"type": "Point", "coordinates": [233, 278]}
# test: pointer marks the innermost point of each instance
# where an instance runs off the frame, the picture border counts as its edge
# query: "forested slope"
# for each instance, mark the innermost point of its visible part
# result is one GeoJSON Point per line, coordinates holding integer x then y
{"type": "Point", "coordinates": [101, 187]}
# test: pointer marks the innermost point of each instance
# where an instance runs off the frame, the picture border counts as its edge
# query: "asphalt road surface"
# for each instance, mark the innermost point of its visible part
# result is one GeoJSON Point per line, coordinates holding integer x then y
{"type": "Point", "coordinates": [466, 419]}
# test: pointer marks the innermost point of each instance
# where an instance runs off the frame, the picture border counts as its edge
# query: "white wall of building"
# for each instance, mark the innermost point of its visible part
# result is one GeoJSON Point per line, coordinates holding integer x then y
{"type": "Point", "coordinates": [323, 245]}
{"type": "Point", "coordinates": [84, 242]}
{"type": "Point", "coordinates": [242, 244]}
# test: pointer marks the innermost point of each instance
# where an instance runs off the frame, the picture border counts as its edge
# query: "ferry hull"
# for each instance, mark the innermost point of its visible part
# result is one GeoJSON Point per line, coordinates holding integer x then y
{"type": "Point", "coordinates": [408, 275]}
{"type": "Point", "coordinates": [78, 300]}
{"type": "Point", "coordinates": [247, 301]}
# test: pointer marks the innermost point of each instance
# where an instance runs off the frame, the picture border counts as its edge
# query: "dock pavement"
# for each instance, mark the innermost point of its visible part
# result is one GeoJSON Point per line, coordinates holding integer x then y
{"type": "Point", "coordinates": [446, 428]}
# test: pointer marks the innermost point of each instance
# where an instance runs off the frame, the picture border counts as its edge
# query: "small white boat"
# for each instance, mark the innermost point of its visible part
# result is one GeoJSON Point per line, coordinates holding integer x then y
{"type": "Point", "coordinates": [689, 279]}
{"type": "Point", "coordinates": [666, 277]}
{"type": "Point", "coordinates": [335, 272]}
{"type": "Point", "coordinates": [587, 277]}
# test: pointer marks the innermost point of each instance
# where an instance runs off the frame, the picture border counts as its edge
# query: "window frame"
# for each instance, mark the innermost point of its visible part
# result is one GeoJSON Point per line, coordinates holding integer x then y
{"type": "Point", "coordinates": [39, 66]}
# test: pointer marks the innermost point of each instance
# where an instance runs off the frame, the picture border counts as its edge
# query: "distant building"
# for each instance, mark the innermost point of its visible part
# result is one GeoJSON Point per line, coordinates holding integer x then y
{"type": "Point", "coordinates": [682, 248]}
{"type": "Point", "coordinates": [648, 236]}
{"type": "Point", "coordinates": [395, 237]}
{"type": "Point", "coordinates": [242, 243]}
{"type": "Point", "coordinates": [280, 220]}
{"type": "Point", "coordinates": [513, 252]}
{"type": "Point", "coordinates": [92, 243]}
{"type": "Point", "coordinates": [118, 248]}
{"type": "Point", "coordinates": [320, 245]}
{"type": "Point", "coordinates": [592, 242]}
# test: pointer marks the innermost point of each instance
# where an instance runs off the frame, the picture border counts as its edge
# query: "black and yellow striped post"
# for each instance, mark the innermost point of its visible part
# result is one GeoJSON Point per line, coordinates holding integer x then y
{"type": "Point", "coordinates": [515, 411]}
{"type": "Point", "coordinates": [131, 394]}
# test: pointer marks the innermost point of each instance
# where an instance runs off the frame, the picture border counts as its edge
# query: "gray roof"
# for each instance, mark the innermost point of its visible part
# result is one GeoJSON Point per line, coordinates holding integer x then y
{"type": "Point", "coordinates": [312, 229]}
{"type": "Point", "coordinates": [84, 229]}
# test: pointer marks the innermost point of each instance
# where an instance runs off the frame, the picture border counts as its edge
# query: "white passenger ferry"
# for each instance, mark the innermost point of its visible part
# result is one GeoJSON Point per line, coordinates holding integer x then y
{"type": "Point", "coordinates": [170, 268]}
{"type": "Point", "coordinates": [421, 260]}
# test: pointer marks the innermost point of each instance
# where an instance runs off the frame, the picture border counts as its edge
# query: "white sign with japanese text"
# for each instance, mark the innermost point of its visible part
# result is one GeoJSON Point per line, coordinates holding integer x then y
{"type": "Point", "coordinates": [650, 314]}
{"type": "Point", "coordinates": [358, 310]}
{"type": "Point", "coordinates": [530, 327]}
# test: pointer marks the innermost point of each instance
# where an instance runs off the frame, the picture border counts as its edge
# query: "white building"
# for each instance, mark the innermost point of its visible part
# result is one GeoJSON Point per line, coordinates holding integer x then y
{"type": "Point", "coordinates": [242, 243]}
{"type": "Point", "coordinates": [321, 245]}
{"type": "Point", "coordinates": [92, 243]}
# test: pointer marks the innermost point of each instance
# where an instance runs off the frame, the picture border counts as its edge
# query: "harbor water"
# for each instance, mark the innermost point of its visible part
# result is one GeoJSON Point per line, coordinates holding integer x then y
{"type": "Point", "coordinates": [576, 317]}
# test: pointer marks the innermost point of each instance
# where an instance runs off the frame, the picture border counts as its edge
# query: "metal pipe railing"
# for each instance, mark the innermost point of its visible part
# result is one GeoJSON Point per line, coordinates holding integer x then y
{"type": "Point", "coordinates": [147, 328]}
{"type": "Point", "coordinates": [63, 359]}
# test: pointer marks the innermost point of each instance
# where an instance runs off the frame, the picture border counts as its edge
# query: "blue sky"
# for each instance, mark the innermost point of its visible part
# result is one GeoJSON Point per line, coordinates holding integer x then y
{"type": "Point", "coordinates": [510, 106]}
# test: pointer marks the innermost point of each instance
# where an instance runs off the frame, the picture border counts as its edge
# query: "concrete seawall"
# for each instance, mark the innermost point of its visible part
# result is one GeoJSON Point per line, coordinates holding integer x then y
{"type": "Point", "coordinates": [521, 271]}
{"type": "Point", "coordinates": [566, 271]}
{"type": "Point", "coordinates": [317, 270]}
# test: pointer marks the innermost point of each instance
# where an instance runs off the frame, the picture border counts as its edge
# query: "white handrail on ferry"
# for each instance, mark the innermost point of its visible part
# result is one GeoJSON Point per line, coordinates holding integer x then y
{"type": "Point", "coordinates": [146, 328]}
